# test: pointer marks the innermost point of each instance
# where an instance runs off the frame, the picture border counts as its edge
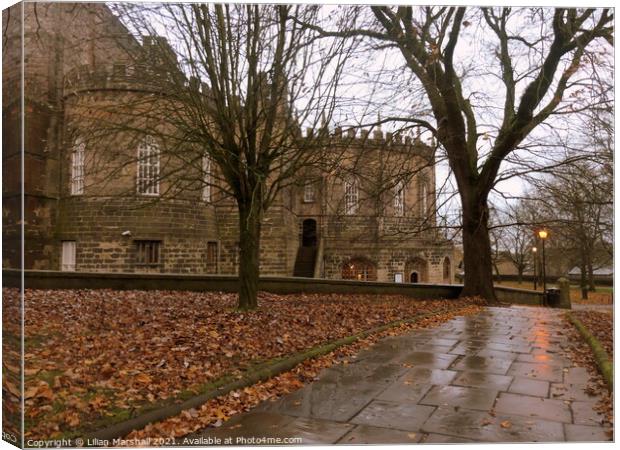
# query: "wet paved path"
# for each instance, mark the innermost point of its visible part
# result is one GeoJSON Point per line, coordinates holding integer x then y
{"type": "Point", "coordinates": [499, 376]}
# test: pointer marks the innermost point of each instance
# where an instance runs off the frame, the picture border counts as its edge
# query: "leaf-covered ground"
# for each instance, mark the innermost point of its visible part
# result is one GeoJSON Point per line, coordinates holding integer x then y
{"type": "Point", "coordinates": [94, 354]}
{"type": "Point", "coordinates": [599, 324]}
{"type": "Point", "coordinates": [218, 410]}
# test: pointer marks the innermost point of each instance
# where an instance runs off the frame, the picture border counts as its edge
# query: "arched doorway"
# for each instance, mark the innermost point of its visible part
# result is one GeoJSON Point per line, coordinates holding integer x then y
{"type": "Point", "coordinates": [308, 233]}
{"type": "Point", "coordinates": [417, 270]}
{"type": "Point", "coordinates": [361, 269]}
{"type": "Point", "coordinates": [447, 270]}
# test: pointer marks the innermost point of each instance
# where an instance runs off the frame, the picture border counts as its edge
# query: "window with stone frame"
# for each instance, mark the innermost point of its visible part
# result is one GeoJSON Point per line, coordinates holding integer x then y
{"type": "Point", "coordinates": [212, 256]}
{"type": "Point", "coordinates": [360, 269]}
{"type": "Point", "coordinates": [424, 199]}
{"type": "Point", "coordinates": [399, 199]}
{"type": "Point", "coordinates": [351, 196]}
{"type": "Point", "coordinates": [148, 253]}
{"type": "Point", "coordinates": [206, 180]}
{"type": "Point", "coordinates": [67, 258]}
{"type": "Point", "coordinates": [77, 167]}
{"type": "Point", "coordinates": [147, 181]}
{"type": "Point", "coordinates": [309, 192]}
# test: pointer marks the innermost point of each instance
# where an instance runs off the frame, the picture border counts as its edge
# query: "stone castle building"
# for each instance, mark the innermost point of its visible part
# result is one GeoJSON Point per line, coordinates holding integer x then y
{"type": "Point", "coordinates": [333, 224]}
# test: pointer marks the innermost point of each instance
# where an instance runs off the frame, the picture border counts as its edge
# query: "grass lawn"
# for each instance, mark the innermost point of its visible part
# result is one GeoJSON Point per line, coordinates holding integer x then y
{"type": "Point", "coordinates": [94, 357]}
{"type": "Point", "coordinates": [602, 295]}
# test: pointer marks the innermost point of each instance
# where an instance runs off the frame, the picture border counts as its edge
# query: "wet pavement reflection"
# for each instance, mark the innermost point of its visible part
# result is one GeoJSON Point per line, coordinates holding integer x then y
{"type": "Point", "coordinates": [498, 376]}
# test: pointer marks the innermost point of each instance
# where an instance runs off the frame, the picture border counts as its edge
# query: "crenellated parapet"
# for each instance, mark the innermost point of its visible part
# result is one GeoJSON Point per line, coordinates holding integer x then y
{"type": "Point", "coordinates": [124, 76]}
{"type": "Point", "coordinates": [114, 76]}
{"type": "Point", "coordinates": [356, 137]}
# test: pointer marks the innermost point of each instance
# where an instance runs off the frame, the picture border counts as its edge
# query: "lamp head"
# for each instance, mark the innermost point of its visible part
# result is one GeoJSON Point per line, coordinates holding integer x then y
{"type": "Point", "coordinates": [543, 234]}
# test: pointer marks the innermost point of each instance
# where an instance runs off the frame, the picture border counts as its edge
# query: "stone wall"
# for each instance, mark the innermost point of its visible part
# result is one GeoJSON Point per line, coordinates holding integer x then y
{"type": "Point", "coordinates": [97, 225]}
{"type": "Point", "coordinates": [75, 71]}
{"type": "Point", "coordinates": [279, 239]}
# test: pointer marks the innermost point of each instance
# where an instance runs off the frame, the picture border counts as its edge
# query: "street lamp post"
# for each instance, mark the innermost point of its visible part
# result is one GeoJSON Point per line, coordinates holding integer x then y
{"type": "Point", "coordinates": [542, 234]}
{"type": "Point", "coordinates": [534, 251]}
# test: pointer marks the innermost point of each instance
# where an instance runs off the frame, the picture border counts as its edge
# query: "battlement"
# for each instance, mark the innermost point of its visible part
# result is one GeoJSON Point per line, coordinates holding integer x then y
{"type": "Point", "coordinates": [378, 138]}
{"type": "Point", "coordinates": [126, 76]}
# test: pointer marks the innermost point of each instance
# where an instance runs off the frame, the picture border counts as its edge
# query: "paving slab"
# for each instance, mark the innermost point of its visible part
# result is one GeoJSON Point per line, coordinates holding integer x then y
{"type": "Point", "coordinates": [427, 359]}
{"type": "Point", "coordinates": [584, 413]}
{"type": "Point", "coordinates": [364, 434]}
{"type": "Point", "coordinates": [398, 416]}
{"type": "Point", "coordinates": [584, 433]}
{"type": "Point", "coordinates": [499, 376]}
{"type": "Point", "coordinates": [425, 375]}
{"type": "Point", "coordinates": [498, 354]}
{"type": "Point", "coordinates": [540, 371]}
{"type": "Point", "coordinates": [562, 391]}
{"type": "Point", "coordinates": [543, 357]}
{"type": "Point", "coordinates": [528, 386]}
{"type": "Point", "coordinates": [322, 400]}
{"type": "Point", "coordinates": [474, 398]}
{"type": "Point", "coordinates": [492, 365]}
{"type": "Point", "coordinates": [480, 426]}
{"type": "Point", "coordinates": [434, 438]}
{"type": "Point", "coordinates": [536, 407]}
{"type": "Point", "coordinates": [484, 380]}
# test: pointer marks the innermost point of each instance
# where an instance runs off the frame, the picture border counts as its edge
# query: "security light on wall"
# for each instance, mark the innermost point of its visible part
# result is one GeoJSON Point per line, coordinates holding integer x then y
{"type": "Point", "coordinates": [126, 233]}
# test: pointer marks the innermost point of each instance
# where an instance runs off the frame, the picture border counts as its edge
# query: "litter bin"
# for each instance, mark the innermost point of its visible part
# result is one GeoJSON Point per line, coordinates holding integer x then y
{"type": "Point", "coordinates": [553, 297]}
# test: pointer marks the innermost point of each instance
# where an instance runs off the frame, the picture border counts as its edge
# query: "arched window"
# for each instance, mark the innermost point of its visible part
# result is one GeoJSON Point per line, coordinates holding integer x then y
{"type": "Point", "coordinates": [360, 269]}
{"type": "Point", "coordinates": [77, 167]}
{"type": "Point", "coordinates": [399, 199]}
{"type": "Point", "coordinates": [447, 270]}
{"type": "Point", "coordinates": [351, 196]}
{"type": "Point", "coordinates": [206, 178]}
{"type": "Point", "coordinates": [147, 181]}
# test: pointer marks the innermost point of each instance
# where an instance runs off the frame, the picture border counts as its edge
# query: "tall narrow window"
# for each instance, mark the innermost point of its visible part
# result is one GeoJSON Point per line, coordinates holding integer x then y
{"type": "Point", "coordinates": [351, 197]}
{"type": "Point", "coordinates": [77, 167]}
{"type": "Point", "coordinates": [212, 250]}
{"type": "Point", "coordinates": [67, 263]}
{"type": "Point", "coordinates": [206, 178]}
{"type": "Point", "coordinates": [148, 253]}
{"type": "Point", "coordinates": [399, 199]}
{"type": "Point", "coordinates": [148, 167]}
{"type": "Point", "coordinates": [309, 192]}
{"type": "Point", "coordinates": [424, 199]}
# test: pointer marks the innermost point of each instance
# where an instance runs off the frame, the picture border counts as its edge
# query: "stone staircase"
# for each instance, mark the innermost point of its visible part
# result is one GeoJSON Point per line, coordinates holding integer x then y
{"type": "Point", "coordinates": [305, 261]}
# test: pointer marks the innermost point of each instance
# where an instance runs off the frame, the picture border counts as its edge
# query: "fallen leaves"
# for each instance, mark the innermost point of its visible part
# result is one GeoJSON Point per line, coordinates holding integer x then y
{"type": "Point", "coordinates": [600, 324]}
{"type": "Point", "coordinates": [90, 352]}
{"type": "Point", "coordinates": [581, 355]}
{"type": "Point", "coordinates": [245, 399]}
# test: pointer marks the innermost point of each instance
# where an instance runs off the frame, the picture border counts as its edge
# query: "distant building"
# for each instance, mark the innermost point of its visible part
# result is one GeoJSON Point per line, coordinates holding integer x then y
{"type": "Point", "coordinates": [326, 225]}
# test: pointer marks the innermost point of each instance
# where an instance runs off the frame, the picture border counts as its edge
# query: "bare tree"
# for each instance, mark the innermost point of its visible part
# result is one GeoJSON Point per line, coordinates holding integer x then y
{"type": "Point", "coordinates": [578, 206]}
{"type": "Point", "coordinates": [229, 88]}
{"type": "Point", "coordinates": [553, 45]}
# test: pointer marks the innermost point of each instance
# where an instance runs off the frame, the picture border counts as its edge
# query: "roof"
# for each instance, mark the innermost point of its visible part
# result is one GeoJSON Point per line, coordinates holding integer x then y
{"type": "Point", "coordinates": [601, 271]}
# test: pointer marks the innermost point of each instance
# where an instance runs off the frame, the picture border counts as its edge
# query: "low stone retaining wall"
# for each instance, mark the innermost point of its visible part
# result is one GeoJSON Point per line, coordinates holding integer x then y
{"type": "Point", "coordinates": [44, 279]}
{"type": "Point", "coordinates": [48, 279]}
{"type": "Point", "coordinates": [519, 296]}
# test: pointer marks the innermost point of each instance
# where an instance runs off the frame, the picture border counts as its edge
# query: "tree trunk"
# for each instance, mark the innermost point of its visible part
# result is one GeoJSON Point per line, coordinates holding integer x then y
{"type": "Point", "coordinates": [477, 248]}
{"type": "Point", "coordinates": [249, 255]}
{"type": "Point", "coordinates": [583, 280]}
{"type": "Point", "coordinates": [591, 286]}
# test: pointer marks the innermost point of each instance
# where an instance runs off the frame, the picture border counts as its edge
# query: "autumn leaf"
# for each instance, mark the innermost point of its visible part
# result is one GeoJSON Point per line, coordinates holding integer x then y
{"type": "Point", "coordinates": [505, 424]}
{"type": "Point", "coordinates": [72, 419]}
{"type": "Point", "coordinates": [143, 378]}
